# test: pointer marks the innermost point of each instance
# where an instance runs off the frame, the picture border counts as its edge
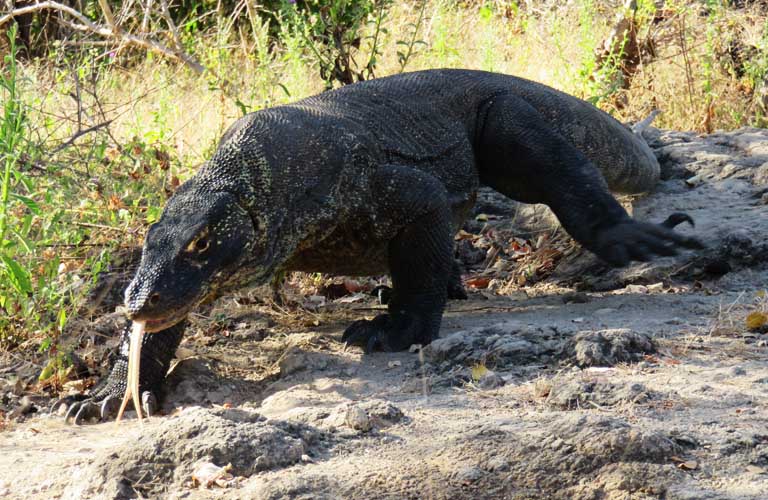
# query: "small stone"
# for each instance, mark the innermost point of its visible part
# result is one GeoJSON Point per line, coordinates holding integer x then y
{"type": "Point", "coordinates": [491, 381]}
{"type": "Point", "coordinates": [25, 406]}
{"type": "Point", "coordinates": [469, 474]}
{"type": "Point", "coordinates": [575, 298]}
{"type": "Point", "coordinates": [604, 311]}
{"type": "Point", "coordinates": [292, 362]}
{"type": "Point", "coordinates": [357, 419]}
{"type": "Point", "coordinates": [394, 364]}
{"type": "Point", "coordinates": [17, 387]}
{"type": "Point", "coordinates": [556, 444]}
{"type": "Point", "coordinates": [689, 465]}
{"type": "Point", "coordinates": [498, 464]}
{"type": "Point", "coordinates": [738, 371]}
{"type": "Point", "coordinates": [695, 180]}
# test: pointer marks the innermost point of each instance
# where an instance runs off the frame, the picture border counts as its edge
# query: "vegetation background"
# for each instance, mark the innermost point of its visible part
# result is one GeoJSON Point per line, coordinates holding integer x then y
{"type": "Point", "coordinates": [108, 105]}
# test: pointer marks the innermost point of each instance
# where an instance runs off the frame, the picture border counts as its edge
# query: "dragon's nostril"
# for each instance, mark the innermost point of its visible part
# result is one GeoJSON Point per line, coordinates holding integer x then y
{"type": "Point", "coordinates": [154, 299]}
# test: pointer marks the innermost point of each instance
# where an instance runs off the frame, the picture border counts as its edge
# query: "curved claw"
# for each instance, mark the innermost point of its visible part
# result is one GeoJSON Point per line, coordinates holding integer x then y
{"type": "Point", "coordinates": [641, 241]}
{"type": "Point", "coordinates": [362, 333]}
{"type": "Point", "coordinates": [370, 346]}
{"type": "Point", "coordinates": [676, 219]}
{"type": "Point", "coordinates": [109, 407]}
{"type": "Point", "coordinates": [148, 403]}
{"type": "Point", "coordinates": [66, 401]}
{"type": "Point", "coordinates": [83, 411]}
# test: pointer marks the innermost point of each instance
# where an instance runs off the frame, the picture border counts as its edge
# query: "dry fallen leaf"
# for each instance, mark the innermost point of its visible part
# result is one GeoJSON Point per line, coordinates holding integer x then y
{"type": "Point", "coordinates": [463, 235]}
{"type": "Point", "coordinates": [756, 320]}
{"type": "Point", "coordinates": [480, 282]}
{"type": "Point", "coordinates": [208, 474]}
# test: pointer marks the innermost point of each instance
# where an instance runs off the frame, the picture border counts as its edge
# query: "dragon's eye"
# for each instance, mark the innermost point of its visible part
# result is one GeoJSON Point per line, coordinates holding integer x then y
{"type": "Point", "coordinates": [200, 244]}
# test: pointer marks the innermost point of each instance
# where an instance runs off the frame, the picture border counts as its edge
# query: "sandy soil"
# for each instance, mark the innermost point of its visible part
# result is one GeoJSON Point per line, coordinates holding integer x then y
{"type": "Point", "coordinates": [641, 383]}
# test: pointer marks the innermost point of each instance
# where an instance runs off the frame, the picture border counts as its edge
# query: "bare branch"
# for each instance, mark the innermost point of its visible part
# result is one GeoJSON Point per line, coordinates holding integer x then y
{"type": "Point", "coordinates": [145, 20]}
{"type": "Point", "coordinates": [171, 24]}
{"type": "Point", "coordinates": [108, 15]}
{"type": "Point", "coordinates": [108, 32]}
{"type": "Point", "coordinates": [79, 134]}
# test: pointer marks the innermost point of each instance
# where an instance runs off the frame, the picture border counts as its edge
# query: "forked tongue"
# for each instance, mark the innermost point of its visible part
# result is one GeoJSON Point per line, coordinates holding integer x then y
{"type": "Point", "coordinates": [134, 357]}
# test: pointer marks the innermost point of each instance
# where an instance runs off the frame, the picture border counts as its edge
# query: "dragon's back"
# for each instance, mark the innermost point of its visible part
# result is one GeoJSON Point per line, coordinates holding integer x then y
{"type": "Point", "coordinates": [423, 115]}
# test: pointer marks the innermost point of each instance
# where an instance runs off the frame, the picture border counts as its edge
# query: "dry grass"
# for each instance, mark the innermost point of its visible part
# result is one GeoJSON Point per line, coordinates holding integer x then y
{"type": "Point", "coordinates": [168, 103]}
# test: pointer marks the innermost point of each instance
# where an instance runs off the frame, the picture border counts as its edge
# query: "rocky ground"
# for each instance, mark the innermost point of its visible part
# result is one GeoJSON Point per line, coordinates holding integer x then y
{"type": "Point", "coordinates": [558, 378]}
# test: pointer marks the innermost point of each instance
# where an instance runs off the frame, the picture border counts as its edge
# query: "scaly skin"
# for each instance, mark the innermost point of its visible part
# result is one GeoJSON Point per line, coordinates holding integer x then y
{"type": "Point", "coordinates": [377, 177]}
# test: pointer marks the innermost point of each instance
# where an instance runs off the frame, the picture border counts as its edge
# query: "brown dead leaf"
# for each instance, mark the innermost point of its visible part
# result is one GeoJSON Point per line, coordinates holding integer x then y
{"type": "Point", "coordinates": [479, 282]}
{"type": "Point", "coordinates": [115, 203]}
{"type": "Point", "coordinates": [112, 153]}
{"type": "Point", "coordinates": [163, 159]}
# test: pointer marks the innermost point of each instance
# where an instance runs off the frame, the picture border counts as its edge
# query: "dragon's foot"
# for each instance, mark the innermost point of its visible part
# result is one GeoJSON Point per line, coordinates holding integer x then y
{"type": "Point", "coordinates": [83, 409]}
{"type": "Point", "coordinates": [387, 332]}
{"type": "Point", "coordinates": [642, 241]}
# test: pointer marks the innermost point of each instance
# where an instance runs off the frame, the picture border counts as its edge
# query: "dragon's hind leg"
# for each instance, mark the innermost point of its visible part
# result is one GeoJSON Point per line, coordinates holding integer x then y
{"type": "Point", "coordinates": [523, 157]}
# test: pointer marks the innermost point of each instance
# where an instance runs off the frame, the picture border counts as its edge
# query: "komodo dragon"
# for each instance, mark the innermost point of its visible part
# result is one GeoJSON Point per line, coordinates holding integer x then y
{"type": "Point", "coordinates": [375, 177]}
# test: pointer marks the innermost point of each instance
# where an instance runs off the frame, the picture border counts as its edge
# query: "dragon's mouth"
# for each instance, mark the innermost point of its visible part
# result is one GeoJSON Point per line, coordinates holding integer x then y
{"type": "Point", "coordinates": [173, 316]}
{"type": "Point", "coordinates": [158, 324]}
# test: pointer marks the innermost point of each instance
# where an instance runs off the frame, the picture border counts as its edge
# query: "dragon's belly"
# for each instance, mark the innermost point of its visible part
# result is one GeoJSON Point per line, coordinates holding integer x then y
{"type": "Point", "coordinates": [347, 251]}
{"type": "Point", "coordinates": [356, 250]}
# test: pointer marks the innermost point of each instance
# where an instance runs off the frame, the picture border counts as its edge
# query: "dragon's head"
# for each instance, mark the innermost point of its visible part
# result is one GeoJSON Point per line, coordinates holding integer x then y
{"type": "Point", "coordinates": [201, 240]}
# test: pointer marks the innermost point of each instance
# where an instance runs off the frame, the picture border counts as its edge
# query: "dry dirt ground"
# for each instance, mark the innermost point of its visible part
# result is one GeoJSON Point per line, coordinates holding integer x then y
{"type": "Point", "coordinates": [641, 383]}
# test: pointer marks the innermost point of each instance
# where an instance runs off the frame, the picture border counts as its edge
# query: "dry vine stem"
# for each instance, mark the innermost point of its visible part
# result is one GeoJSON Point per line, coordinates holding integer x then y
{"type": "Point", "coordinates": [110, 31]}
{"type": "Point", "coordinates": [134, 359]}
